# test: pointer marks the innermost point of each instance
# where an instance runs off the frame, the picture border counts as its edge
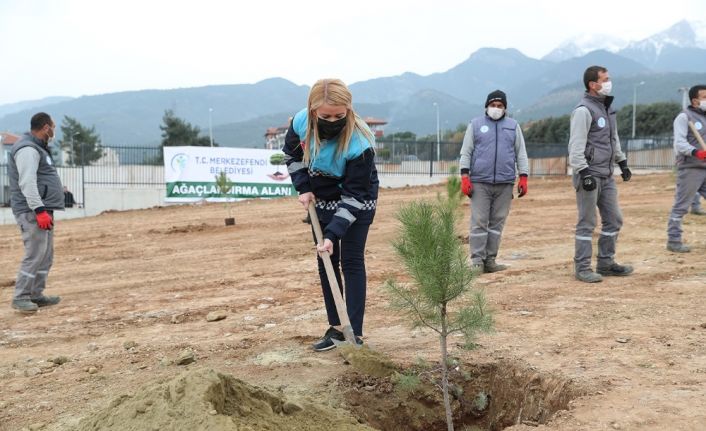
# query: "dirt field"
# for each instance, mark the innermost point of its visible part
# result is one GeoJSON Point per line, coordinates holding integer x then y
{"type": "Point", "coordinates": [137, 286]}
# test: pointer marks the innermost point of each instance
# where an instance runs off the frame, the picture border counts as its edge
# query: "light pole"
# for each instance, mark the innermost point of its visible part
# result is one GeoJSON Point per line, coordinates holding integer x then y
{"type": "Point", "coordinates": [438, 137]}
{"type": "Point", "coordinates": [684, 96]}
{"type": "Point", "coordinates": [73, 148]}
{"type": "Point", "coordinates": [634, 105]}
{"type": "Point", "coordinates": [210, 126]}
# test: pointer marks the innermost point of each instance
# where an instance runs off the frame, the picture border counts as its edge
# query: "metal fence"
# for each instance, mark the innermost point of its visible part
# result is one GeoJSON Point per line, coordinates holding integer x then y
{"type": "Point", "coordinates": [142, 167]}
{"type": "Point", "coordinates": [429, 158]}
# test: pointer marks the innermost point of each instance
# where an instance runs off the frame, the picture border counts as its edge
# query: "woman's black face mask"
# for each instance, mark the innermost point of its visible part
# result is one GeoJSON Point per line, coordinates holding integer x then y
{"type": "Point", "coordinates": [330, 129]}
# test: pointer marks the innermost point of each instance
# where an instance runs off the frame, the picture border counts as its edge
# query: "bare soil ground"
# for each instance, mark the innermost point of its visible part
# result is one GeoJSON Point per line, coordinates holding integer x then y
{"type": "Point", "coordinates": [137, 286]}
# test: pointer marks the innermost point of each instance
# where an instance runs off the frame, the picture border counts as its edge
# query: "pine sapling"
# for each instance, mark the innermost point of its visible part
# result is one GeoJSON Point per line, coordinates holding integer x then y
{"type": "Point", "coordinates": [440, 296]}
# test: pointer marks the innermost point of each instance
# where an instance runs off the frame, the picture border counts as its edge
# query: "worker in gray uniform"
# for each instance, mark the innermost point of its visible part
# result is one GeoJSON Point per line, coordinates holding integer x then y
{"type": "Point", "coordinates": [691, 164]}
{"type": "Point", "coordinates": [492, 154]}
{"type": "Point", "coordinates": [593, 148]}
{"type": "Point", "coordinates": [35, 193]}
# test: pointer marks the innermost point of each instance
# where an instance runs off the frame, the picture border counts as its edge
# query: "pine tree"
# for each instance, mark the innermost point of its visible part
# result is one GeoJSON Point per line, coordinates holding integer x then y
{"type": "Point", "coordinates": [440, 296]}
{"type": "Point", "coordinates": [81, 144]}
{"type": "Point", "coordinates": [177, 132]}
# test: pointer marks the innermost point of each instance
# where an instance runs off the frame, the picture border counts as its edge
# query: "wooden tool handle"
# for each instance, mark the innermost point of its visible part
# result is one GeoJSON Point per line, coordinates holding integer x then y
{"type": "Point", "coordinates": [333, 283]}
{"type": "Point", "coordinates": [698, 135]}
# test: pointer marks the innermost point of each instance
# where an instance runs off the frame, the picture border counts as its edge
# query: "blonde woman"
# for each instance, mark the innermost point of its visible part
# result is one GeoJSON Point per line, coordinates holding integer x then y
{"type": "Point", "coordinates": [329, 153]}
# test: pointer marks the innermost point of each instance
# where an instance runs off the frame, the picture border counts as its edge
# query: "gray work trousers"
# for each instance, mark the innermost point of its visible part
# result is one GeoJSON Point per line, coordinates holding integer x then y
{"type": "Point", "coordinates": [605, 197]}
{"type": "Point", "coordinates": [39, 255]}
{"type": "Point", "coordinates": [696, 204]}
{"type": "Point", "coordinates": [690, 182]}
{"type": "Point", "coordinates": [490, 205]}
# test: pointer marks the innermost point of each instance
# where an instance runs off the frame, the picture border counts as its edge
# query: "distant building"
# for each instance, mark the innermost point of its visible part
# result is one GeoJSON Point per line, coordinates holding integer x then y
{"type": "Point", "coordinates": [274, 136]}
{"type": "Point", "coordinates": [376, 125]}
{"type": "Point", "coordinates": [7, 140]}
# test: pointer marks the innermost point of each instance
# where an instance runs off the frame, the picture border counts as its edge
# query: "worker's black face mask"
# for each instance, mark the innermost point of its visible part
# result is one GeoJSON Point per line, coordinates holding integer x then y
{"type": "Point", "coordinates": [330, 129]}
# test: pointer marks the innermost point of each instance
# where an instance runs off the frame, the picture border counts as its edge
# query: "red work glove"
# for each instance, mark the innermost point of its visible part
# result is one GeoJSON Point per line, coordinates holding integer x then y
{"type": "Point", "coordinates": [44, 220]}
{"type": "Point", "coordinates": [522, 186]}
{"type": "Point", "coordinates": [466, 186]}
{"type": "Point", "coordinates": [700, 154]}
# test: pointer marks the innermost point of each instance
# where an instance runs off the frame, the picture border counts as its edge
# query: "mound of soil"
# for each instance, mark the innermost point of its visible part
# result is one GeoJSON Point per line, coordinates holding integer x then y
{"type": "Point", "coordinates": [208, 400]}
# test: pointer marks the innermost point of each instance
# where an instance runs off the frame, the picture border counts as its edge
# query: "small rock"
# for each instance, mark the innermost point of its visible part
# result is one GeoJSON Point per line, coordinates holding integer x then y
{"type": "Point", "coordinates": [369, 388]}
{"type": "Point", "coordinates": [186, 357]}
{"type": "Point", "coordinates": [141, 409]}
{"type": "Point", "coordinates": [525, 313]}
{"type": "Point", "coordinates": [59, 360]}
{"type": "Point", "coordinates": [164, 362]}
{"type": "Point", "coordinates": [290, 408]}
{"type": "Point", "coordinates": [132, 350]}
{"type": "Point", "coordinates": [622, 340]}
{"type": "Point", "coordinates": [615, 425]}
{"type": "Point", "coordinates": [270, 325]}
{"type": "Point", "coordinates": [263, 306]}
{"type": "Point", "coordinates": [35, 427]}
{"type": "Point", "coordinates": [249, 318]}
{"type": "Point", "coordinates": [703, 325]}
{"type": "Point", "coordinates": [33, 371]}
{"type": "Point", "coordinates": [213, 412]}
{"type": "Point", "coordinates": [129, 345]}
{"type": "Point", "coordinates": [92, 347]}
{"type": "Point", "coordinates": [178, 318]}
{"type": "Point", "coordinates": [92, 370]}
{"type": "Point", "coordinates": [215, 316]}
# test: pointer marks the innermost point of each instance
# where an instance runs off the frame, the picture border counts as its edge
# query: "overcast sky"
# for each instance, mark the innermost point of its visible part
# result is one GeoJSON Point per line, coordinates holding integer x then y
{"type": "Point", "coordinates": [85, 47]}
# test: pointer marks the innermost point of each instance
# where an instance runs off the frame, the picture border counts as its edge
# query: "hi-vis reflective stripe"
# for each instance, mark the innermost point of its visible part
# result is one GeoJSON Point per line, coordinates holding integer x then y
{"type": "Point", "coordinates": [675, 219]}
{"type": "Point", "coordinates": [494, 231]}
{"type": "Point", "coordinates": [479, 234]}
{"type": "Point", "coordinates": [352, 202]}
{"type": "Point", "coordinates": [26, 274]}
{"type": "Point", "coordinates": [344, 213]}
{"type": "Point", "coordinates": [609, 233]}
{"type": "Point", "coordinates": [583, 238]}
{"type": "Point", "coordinates": [42, 272]}
{"type": "Point", "coordinates": [295, 166]}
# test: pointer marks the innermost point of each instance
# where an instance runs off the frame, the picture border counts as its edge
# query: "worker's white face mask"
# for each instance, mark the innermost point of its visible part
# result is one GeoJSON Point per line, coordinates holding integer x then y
{"type": "Point", "coordinates": [606, 88]}
{"type": "Point", "coordinates": [495, 113]}
{"type": "Point", "coordinates": [702, 105]}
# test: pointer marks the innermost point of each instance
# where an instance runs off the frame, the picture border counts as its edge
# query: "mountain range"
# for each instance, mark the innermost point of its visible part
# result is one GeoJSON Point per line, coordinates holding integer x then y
{"type": "Point", "coordinates": [536, 88]}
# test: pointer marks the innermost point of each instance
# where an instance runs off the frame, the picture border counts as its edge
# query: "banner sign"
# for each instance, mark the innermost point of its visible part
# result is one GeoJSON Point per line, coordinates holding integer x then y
{"type": "Point", "coordinates": [190, 174]}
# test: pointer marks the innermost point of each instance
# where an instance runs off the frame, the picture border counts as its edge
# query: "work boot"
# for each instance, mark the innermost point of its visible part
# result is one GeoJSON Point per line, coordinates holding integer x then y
{"type": "Point", "coordinates": [477, 268]}
{"type": "Point", "coordinates": [24, 306]}
{"type": "Point", "coordinates": [615, 270]}
{"type": "Point", "coordinates": [46, 301]}
{"type": "Point", "coordinates": [697, 211]}
{"type": "Point", "coordinates": [677, 247]}
{"type": "Point", "coordinates": [588, 276]}
{"type": "Point", "coordinates": [491, 266]}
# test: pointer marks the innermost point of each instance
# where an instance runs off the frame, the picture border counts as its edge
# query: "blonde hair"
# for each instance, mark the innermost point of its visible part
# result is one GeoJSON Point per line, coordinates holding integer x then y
{"type": "Point", "coordinates": [333, 92]}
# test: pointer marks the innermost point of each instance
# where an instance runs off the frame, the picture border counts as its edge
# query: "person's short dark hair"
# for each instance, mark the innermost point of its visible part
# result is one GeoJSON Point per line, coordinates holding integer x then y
{"type": "Point", "coordinates": [591, 75]}
{"type": "Point", "coordinates": [40, 120]}
{"type": "Point", "coordinates": [694, 91]}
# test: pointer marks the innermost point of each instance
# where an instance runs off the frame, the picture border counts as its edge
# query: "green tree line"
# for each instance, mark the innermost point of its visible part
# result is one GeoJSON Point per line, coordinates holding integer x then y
{"type": "Point", "coordinates": [650, 120]}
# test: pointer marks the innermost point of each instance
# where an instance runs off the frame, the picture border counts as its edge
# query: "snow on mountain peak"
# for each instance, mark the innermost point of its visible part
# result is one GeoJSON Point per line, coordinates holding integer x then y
{"type": "Point", "coordinates": [582, 44]}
